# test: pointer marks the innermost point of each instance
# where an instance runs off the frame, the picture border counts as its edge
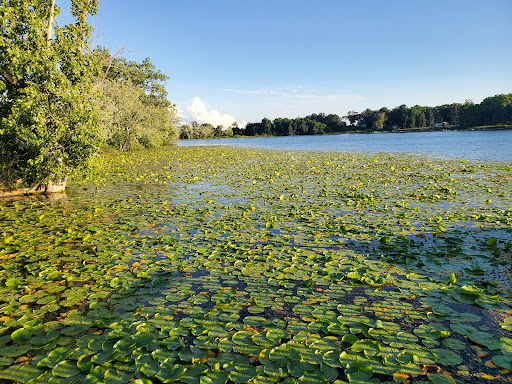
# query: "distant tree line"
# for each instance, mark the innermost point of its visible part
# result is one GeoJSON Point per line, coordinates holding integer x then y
{"type": "Point", "coordinates": [206, 131]}
{"type": "Point", "coordinates": [492, 111]}
{"type": "Point", "coordinates": [495, 110]}
{"type": "Point", "coordinates": [315, 124]}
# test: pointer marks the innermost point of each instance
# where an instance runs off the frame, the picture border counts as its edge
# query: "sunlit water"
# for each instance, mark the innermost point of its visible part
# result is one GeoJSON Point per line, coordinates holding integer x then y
{"type": "Point", "coordinates": [470, 145]}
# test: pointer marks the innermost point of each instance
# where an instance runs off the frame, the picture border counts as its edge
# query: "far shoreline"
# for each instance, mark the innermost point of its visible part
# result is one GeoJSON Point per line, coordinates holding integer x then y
{"type": "Point", "coordinates": [367, 132]}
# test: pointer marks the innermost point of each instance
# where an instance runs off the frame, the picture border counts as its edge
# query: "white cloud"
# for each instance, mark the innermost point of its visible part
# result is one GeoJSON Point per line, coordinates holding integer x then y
{"type": "Point", "coordinates": [213, 117]}
{"type": "Point", "coordinates": [179, 113]}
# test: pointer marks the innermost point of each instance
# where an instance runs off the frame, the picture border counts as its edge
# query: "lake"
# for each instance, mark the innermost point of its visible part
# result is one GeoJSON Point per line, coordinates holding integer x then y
{"type": "Point", "coordinates": [470, 145]}
{"type": "Point", "coordinates": [225, 264]}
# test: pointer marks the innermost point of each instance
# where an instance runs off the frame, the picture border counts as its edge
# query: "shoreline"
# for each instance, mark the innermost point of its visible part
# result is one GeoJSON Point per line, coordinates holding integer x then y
{"type": "Point", "coordinates": [404, 130]}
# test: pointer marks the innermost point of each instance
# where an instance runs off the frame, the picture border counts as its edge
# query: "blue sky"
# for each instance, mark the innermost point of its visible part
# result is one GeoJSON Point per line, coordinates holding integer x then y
{"type": "Point", "coordinates": [246, 60]}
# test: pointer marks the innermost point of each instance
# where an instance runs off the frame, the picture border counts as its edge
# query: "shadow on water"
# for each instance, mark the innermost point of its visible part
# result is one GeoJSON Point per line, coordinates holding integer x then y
{"type": "Point", "coordinates": [424, 276]}
{"type": "Point", "coordinates": [195, 302]}
{"type": "Point", "coordinates": [479, 257]}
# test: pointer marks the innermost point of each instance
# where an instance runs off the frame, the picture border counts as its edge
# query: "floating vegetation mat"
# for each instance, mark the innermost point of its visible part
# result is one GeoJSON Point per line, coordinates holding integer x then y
{"type": "Point", "coordinates": [223, 265]}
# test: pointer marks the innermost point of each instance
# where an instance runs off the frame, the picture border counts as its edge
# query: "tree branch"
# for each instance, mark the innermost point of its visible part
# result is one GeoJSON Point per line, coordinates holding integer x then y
{"type": "Point", "coordinates": [9, 76]}
{"type": "Point", "coordinates": [119, 52]}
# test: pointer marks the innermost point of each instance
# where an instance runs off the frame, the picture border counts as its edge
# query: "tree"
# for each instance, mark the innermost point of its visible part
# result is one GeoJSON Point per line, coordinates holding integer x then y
{"type": "Point", "coordinates": [429, 116]}
{"type": "Point", "coordinates": [399, 116]}
{"type": "Point", "coordinates": [250, 129]}
{"type": "Point", "coordinates": [266, 126]}
{"type": "Point", "coordinates": [49, 126]}
{"type": "Point", "coordinates": [217, 131]}
{"type": "Point", "coordinates": [121, 113]}
{"type": "Point", "coordinates": [143, 75]}
{"type": "Point", "coordinates": [186, 132]}
{"type": "Point", "coordinates": [467, 114]}
{"type": "Point", "coordinates": [144, 117]}
{"type": "Point", "coordinates": [496, 109]}
{"type": "Point", "coordinates": [237, 131]}
{"type": "Point", "coordinates": [334, 123]}
{"type": "Point", "coordinates": [421, 120]}
{"type": "Point", "coordinates": [386, 124]}
{"type": "Point", "coordinates": [368, 118]}
{"type": "Point", "coordinates": [204, 131]}
{"type": "Point", "coordinates": [228, 132]}
{"type": "Point", "coordinates": [380, 118]}
{"type": "Point", "coordinates": [354, 118]}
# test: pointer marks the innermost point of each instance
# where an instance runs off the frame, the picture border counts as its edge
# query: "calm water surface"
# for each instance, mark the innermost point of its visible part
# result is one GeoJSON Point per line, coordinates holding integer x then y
{"type": "Point", "coordinates": [470, 145]}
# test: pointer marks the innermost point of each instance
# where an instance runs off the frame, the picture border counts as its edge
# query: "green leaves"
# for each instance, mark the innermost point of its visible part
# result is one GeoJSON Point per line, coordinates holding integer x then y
{"type": "Point", "coordinates": [21, 335]}
{"type": "Point", "coordinates": [49, 120]}
{"type": "Point", "coordinates": [369, 347]}
{"type": "Point", "coordinates": [21, 373]}
{"type": "Point", "coordinates": [441, 378]}
{"type": "Point", "coordinates": [481, 338]}
{"type": "Point", "coordinates": [447, 357]}
{"type": "Point", "coordinates": [168, 273]}
{"type": "Point", "coordinates": [170, 373]}
{"type": "Point", "coordinates": [65, 368]}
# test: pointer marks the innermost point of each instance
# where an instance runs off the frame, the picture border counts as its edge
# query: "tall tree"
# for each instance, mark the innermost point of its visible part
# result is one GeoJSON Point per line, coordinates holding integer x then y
{"type": "Point", "coordinates": [399, 116]}
{"type": "Point", "coordinates": [266, 126]}
{"type": "Point", "coordinates": [204, 131]}
{"type": "Point", "coordinates": [378, 122]}
{"type": "Point", "coordinates": [144, 75]}
{"type": "Point", "coordinates": [125, 84]}
{"type": "Point", "coordinates": [186, 132]}
{"type": "Point", "coordinates": [49, 126]}
{"type": "Point", "coordinates": [429, 116]}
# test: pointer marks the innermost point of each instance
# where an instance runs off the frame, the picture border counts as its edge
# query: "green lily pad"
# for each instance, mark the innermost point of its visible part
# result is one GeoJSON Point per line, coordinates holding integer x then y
{"type": "Point", "coordinates": [454, 344]}
{"type": "Point", "coordinates": [369, 347]}
{"type": "Point", "coordinates": [481, 338]}
{"type": "Point", "coordinates": [238, 377]}
{"type": "Point", "coordinates": [21, 335]}
{"type": "Point", "coordinates": [441, 378]}
{"type": "Point", "coordinates": [447, 357]}
{"type": "Point", "coordinates": [214, 377]}
{"type": "Point", "coordinates": [170, 372]}
{"type": "Point", "coordinates": [66, 368]}
{"type": "Point", "coordinates": [20, 373]}
{"type": "Point", "coordinates": [503, 361]}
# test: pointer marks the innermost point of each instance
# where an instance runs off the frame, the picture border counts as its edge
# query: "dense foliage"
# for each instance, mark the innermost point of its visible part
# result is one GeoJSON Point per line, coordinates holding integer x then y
{"type": "Point", "coordinates": [495, 110]}
{"type": "Point", "coordinates": [48, 125]}
{"type": "Point", "coordinates": [133, 104]}
{"type": "Point", "coordinates": [59, 100]}
{"type": "Point", "coordinates": [205, 131]}
{"type": "Point", "coordinates": [316, 124]}
{"type": "Point", "coordinates": [491, 111]}
{"type": "Point", "coordinates": [226, 265]}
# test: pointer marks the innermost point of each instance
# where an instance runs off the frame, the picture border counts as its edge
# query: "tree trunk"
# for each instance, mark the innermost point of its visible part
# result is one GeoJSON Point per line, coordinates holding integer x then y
{"type": "Point", "coordinates": [54, 185]}
{"type": "Point", "coordinates": [123, 148]}
{"type": "Point", "coordinates": [50, 24]}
